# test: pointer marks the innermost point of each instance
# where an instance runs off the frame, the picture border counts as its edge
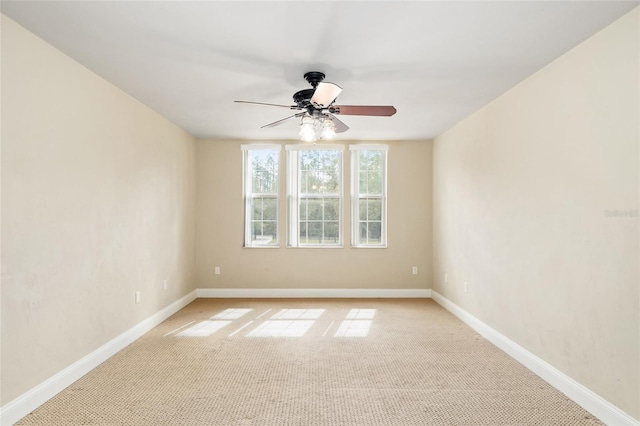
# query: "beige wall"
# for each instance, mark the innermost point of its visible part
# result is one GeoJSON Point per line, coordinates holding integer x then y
{"type": "Point", "coordinates": [521, 190]}
{"type": "Point", "coordinates": [97, 202]}
{"type": "Point", "coordinates": [220, 230]}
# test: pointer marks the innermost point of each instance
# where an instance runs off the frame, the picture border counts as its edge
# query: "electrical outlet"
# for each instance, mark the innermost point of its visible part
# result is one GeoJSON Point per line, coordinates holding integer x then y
{"type": "Point", "coordinates": [137, 296]}
{"type": "Point", "coordinates": [466, 287]}
{"type": "Point", "coordinates": [414, 270]}
{"type": "Point", "coordinates": [164, 284]}
{"type": "Point", "coordinates": [217, 270]}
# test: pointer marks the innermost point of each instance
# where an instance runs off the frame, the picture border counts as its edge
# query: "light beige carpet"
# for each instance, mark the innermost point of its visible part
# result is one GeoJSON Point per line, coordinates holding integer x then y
{"type": "Point", "coordinates": [311, 362]}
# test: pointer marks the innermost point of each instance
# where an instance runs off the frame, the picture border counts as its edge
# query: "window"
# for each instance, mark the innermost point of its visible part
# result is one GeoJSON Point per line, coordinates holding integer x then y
{"type": "Point", "coordinates": [315, 195]}
{"type": "Point", "coordinates": [369, 195]}
{"type": "Point", "coordinates": [261, 195]}
{"type": "Point", "coordinates": [314, 183]}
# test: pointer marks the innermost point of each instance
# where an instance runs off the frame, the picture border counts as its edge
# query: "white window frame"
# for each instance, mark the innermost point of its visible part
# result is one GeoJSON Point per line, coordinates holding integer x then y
{"type": "Point", "coordinates": [248, 194]}
{"type": "Point", "coordinates": [294, 195]}
{"type": "Point", "coordinates": [356, 195]}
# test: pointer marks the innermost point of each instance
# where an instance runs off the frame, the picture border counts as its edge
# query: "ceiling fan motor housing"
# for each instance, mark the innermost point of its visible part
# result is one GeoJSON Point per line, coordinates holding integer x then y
{"type": "Point", "coordinates": [302, 98]}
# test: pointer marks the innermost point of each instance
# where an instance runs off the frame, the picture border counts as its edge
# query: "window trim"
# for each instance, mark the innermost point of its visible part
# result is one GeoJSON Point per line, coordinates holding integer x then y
{"type": "Point", "coordinates": [247, 195]}
{"type": "Point", "coordinates": [293, 195]}
{"type": "Point", "coordinates": [355, 195]}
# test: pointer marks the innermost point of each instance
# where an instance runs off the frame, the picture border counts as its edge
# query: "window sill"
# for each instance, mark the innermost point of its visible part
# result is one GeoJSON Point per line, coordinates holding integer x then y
{"type": "Point", "coordinates": [315, 247]}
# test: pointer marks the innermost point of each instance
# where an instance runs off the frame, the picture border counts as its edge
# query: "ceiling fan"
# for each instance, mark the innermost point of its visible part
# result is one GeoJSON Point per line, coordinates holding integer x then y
{"type": "Point", "coordinates": [317, 109]}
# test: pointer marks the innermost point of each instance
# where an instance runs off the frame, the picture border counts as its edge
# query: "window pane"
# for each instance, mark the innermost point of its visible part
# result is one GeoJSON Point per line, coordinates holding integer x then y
{"type": "Point", "coordinates": [256, 208]}
{"type": "Point", "coordinates": [329, 159]}
{"type": "Point", "coordinates": [364, 160]}
{"type": "Point", "coordinates": [263, 233]}
{"type": "Point", "coordinates": [303, 232]}
{"type": "Point", "coordinates": [303, 209]}
{"type": "Point", "coordinates": [363, 232]}
{"type": "Point", "coordinates": [315, 232]}
{"type": "Point", "coordinates": [315, 209]}
{"type": "Point", "coordinates": [270, 209]}
{"type": "Point", "coordinates": [320, 172]}
{"type": "Point", "coordinates": [269, 232]}
{"type": "Point", "coordinates": [376, 160]}
{"type": "Point", "coordinates": [264, 165]}
{"type": "Point", "coordinates": [331, 181]}
{"type": "Point", "coordinates": [363, 209]}
{"type": "Point", "coordinates": [371, 160]}
{"type": "Point", "coordinates": [331, 209]}
{"type": "Point", "coordinates": [264, 208]}
{"type": "Point", "coordinates": [364, 185]}
{"type": "Point", "coordinates": [331, 232]}
{"type": "Point", "coordinates": [304, 181]}
{"type": "Point", "coordinates": [309, 160]}
{"type": "Point", "coordinates": [374, 209]}
{"type": "Point", "coordinates": [315, 184]}
{"type": "Point", "coordinates": [265, 182]}
{"type": "Point", "coordinates": [374, 183]}
{"type": "Point", "coordinates": [374, 232]}
{"type": "Point", "coordinates": [256, 230]}
{"type": "Point", "coordinates": [370, 209]}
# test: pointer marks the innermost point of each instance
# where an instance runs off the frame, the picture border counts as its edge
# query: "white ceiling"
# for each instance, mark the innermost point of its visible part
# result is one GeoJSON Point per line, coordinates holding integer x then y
{"type": "Point", "coordinates": [436, 62]}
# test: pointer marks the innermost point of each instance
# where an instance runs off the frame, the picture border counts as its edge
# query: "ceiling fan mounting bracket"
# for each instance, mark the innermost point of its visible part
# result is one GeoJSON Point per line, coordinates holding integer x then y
{"type": "Point", "coordinates": [314, 77]}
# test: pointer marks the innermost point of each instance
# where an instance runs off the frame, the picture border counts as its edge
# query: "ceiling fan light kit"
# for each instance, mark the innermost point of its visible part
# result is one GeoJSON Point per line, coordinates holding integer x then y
{"type": "Point", "coordinates": [308, 129]}
{"type": "Point", "coordinates": [328, 129]}
{"type": "Point", "coordinates": [319, 111]}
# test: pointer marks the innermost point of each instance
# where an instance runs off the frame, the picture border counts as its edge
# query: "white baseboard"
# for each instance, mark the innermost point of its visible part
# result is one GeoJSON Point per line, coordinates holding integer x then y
{"type": "Point", "coordinates": [26, 403]}
{"type": "Point", "coordinates": [304, 293]}
{"type": "Point", "coordinates": [590, 401]}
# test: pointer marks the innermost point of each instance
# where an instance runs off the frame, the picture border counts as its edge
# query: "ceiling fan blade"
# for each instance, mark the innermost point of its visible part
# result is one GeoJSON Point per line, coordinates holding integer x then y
{"type": "Point", "coordinates": [262, 103]}
{"type": "Point", "coordinates": [377, 110]}
{"type": "Point", "coordinates": [276, 123]}
{"type": "Point", "coordinates": [340, 126]}
{"type": "Point", "coordinates": [325, 94]}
